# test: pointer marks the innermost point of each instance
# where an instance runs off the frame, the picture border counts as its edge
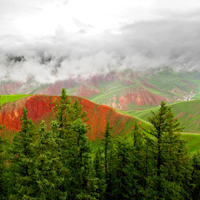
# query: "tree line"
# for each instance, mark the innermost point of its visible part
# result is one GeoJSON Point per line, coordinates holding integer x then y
{"type": "Point", "coordinates": [60, 163]}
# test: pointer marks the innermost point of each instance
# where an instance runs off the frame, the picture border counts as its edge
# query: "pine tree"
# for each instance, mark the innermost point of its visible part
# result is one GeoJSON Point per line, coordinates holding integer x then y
{"type": "Point", "coordinates": [195, 176]}
{"type": "Point", "coordinates": [21, 161]}
{"type": "Point", "coordinates": [3, 166]}
{"type": "Point", "coordinates": [66, 112]}
{"type": "Point", "coordinates": [169, 163]}
{"type": "Point", "coordinates": [3, 169]}
{"type": "Point", "coordinates": [48, 171]}
{"type": "Point", "coordinates": [107, 141]}
{"type": "Point", "coordinates": [124, 183]}
{"type": "Point", "coordinates": [98, 167]}
{"type": "Point", "coordinates": [109, 159]}
{"type": "Point", "coordinates": [62, 111]}
{"type": "Point", "coordinates": [139, 159]}
{"type": "Point", "coordinates": [82, 182]}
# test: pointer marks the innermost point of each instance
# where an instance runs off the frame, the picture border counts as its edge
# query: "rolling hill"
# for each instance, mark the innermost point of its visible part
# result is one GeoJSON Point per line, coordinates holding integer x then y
{"type": "Point", "coordinates": [127, 90]}
{"type": "Point", "coordinates": [40, 107]}
{"type": "Point", "coordinates": [188, 113]}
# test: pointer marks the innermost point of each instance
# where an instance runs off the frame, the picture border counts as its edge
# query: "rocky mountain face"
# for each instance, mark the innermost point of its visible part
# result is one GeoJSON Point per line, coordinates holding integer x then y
{"type": "Point", "coordinates": [126, 90]}
{"type": "Point", "coordinates": [40, 107]}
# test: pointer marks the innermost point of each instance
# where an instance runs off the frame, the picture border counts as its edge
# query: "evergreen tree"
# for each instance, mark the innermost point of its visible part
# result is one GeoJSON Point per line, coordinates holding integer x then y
{"type": "Point", "coordinates": [21, 161]}
{"type": "Point", "coordinates": [169, 164]}
{"type": "Point", "coordinates": [66, 112]}
{"type": "Point", "coordinates": [98, 166]}
{"type": "Point", "coordinates": [48, 171]}
{"type": "Point", "coordinates": [195, 176]}
{"type": "Point", "coordinates": [3, 170]}
{"type": "Point", "coordinates": [124, 184]}
{"type": "Point", "coordinates": [140, 157]}
{"type": "Point", "coordinates": [82, 182]}
{"type": "Point", "coordinates": [4, 187]}
{"type": "Point", "coordinates": [109, 159]}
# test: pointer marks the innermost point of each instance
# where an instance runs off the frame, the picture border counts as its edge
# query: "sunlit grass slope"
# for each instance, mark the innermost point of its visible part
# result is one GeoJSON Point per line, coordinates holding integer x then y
{"type": "Point", "coordinates": [193, 141]}
{"type": "Point", "coordinates": [196, 97]}
{"type": "Point", "coordinates": [11, 98]}
{"type": "Point", "coordinates": [188, 113]}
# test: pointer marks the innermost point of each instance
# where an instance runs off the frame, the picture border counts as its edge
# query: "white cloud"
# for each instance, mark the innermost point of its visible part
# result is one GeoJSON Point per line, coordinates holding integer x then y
{"type": "Point", "coordinates": [88, 37]}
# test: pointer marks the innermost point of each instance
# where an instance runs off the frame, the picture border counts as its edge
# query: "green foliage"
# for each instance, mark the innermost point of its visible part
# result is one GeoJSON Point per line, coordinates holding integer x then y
{"type": "Point", "coordinates": [170, 172]}
{"type": "Point", "coordinates": [195, 176]}
{"type": "Point", "coordinates": [99, 170]}
{"type": "Point", "coordinates": [124, 182]}
{"type": "Point", "coordinates": [82, 177]}
{"type": "Point", "coordinates": [21, 160]}
{"type": "Point", "coordinates": [57, 164]}
{"type": "Point", "coordinates": [3, 169]}
{"type": "Point", "coordinates": [66, 112]}
{"type": "Point", "coordinates": [47, 171]}
{"type": "Point", "coordinates": [74, 148]}
{"type": "Point", "coordinates": [139, 152]}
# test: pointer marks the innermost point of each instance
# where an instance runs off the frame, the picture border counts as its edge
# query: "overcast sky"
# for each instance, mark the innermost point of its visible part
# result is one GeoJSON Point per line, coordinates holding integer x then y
{"type": "Point", "coordinates": [95, 36]}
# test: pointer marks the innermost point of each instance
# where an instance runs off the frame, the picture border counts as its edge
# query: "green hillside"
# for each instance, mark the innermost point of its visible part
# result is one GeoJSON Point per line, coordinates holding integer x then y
{"type": "Point", "coordinates": [125, 90]}
{"type": "Point", "coordinates": [140, 90]}
{"type": "Point", "coordinates": [196, 97]}
{"type": "Point", "coordinates": [188, 113]}
{"type": "Point", "coordinates": [11, 98]}
{"type": "Point", "coordinates": [193, 141]}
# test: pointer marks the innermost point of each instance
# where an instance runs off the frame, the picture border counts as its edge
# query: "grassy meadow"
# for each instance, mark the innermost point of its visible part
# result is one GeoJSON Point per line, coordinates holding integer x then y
{"type": "Point", "coordinates": [10, 98]}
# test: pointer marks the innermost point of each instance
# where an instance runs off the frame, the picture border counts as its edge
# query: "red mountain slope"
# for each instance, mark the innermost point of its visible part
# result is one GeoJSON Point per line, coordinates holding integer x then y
{"type": "Point", "coordinates": [40, 107]}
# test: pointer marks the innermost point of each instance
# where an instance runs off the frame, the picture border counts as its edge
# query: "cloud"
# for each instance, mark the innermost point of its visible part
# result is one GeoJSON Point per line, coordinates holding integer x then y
{"type": "Point", "coordinates": [138, 46]}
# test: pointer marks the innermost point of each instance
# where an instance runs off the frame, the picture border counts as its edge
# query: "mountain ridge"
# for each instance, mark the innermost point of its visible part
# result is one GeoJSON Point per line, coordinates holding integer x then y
{"type": "Point", "coordinates": [40, 107]}
{"type": "Point", "coordinates": [126, 90]}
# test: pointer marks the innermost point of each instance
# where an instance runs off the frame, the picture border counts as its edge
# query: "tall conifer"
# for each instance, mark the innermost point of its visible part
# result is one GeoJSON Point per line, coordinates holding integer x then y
{"type": "Point", "coordinates": [21, 161]}
{"type": "Point", "coordinates": [195, 176]}
{"type": "Point", "coordinates": [107, 148]}
{"type": "Point", "coordinates": [48, 171]}
{"type": "Point", "coordinates": [80, 181]}
{"type": "Point", "coordinates": [3, 169]}
{"type": "Point", "coordinates": [169, 166]}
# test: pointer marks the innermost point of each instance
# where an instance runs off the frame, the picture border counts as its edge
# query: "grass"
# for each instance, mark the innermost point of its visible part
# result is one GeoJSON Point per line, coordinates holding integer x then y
{"type": "Point", "coordinates": [188, 113]}
{"type": "Point", "coordinates": [111, 90]}
{"type": "Point", "coordinates": [10, 98]}
{"type": "Point", "coordinates": [193, 141]}
{"type": "Point", "coordinates": [196, 97]}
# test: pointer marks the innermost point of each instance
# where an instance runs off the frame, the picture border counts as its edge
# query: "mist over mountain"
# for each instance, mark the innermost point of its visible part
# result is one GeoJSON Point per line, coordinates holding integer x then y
{"type": "Point", "coordinates": [136, 46]}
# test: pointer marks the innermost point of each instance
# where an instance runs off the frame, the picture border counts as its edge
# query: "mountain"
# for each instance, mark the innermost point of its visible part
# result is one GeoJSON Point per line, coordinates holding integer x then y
{"type": "Point", "coordinates": [127, 90]}
{"type": "Point", "coordinates": [40, 107]}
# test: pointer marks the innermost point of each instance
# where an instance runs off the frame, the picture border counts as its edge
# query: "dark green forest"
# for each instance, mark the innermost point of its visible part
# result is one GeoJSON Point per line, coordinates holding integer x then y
{"type": "Point", "coordinates": [61, 163]}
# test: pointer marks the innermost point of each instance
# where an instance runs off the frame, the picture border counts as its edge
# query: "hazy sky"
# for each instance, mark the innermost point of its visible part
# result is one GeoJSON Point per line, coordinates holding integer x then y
{"type": "Point", "coordinates": [95, 36]}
